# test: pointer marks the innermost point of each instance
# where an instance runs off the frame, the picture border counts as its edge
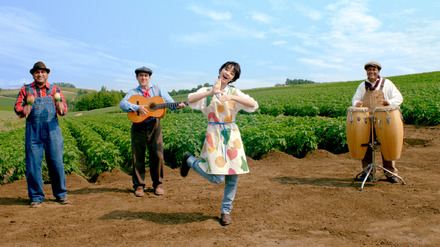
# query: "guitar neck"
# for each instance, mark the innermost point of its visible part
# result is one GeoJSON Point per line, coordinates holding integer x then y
{"type": "Point", "coordinates": [168, 105]}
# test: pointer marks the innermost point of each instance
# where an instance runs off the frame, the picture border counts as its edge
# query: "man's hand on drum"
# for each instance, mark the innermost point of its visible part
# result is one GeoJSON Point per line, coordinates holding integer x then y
{"type": "Point", "coordinates": [384, 102]}
{"type": "Point", "coordinates": [359, 104]}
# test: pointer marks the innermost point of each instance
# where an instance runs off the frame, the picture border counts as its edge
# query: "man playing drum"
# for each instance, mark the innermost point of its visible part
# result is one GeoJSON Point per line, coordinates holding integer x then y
{"type": "Point", "coordinates": [376, 92]}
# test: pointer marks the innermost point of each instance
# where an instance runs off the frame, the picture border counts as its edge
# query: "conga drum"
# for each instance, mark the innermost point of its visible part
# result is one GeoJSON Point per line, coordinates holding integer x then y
{"type": "Point", "coordinates": [388, 126]}
{"type": "Point", "coordinates": [358, 131]}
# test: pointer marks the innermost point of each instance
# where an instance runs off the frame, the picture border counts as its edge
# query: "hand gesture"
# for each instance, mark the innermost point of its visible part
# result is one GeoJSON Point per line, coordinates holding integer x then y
{"type": "Point", "coordinates": [181, 105]}
{"type": "Point", "coordinates": [226, 97]}
{"type": "Point", "coordinates": [217, 86]}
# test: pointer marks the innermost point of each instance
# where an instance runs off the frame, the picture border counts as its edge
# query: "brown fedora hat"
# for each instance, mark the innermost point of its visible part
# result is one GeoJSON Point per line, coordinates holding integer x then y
{"type": "Point", "coordinates": [39, 65]}
{"type": "Point", "coordinates": [372, 64]}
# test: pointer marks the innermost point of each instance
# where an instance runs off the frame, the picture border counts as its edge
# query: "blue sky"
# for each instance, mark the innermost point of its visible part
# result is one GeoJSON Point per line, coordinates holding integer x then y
{"type": "Point", "coordinates": [101, 42]}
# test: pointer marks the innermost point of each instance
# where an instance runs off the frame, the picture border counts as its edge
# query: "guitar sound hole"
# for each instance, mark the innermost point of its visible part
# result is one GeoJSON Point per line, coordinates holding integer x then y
{"type": "Point", "coordinates": [152, 106]}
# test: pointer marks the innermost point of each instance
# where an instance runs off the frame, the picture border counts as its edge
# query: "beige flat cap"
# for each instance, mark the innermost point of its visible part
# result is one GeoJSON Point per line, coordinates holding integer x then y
{"type": "Point", "coordinates": [374, 64]}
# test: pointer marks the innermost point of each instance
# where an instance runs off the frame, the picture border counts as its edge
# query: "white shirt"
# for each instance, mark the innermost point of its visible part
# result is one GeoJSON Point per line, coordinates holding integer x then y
{"type": "Point", "coordinates": [390, 92]}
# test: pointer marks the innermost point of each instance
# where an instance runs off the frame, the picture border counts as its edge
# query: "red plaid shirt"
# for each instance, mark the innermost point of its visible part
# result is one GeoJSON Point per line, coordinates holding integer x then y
{"type": "Point", "coordinates": [37, 92]}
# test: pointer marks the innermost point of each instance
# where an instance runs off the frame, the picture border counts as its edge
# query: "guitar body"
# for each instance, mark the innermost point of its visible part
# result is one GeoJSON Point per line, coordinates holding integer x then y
{"type": "Point", "coordinates": [150, 104]}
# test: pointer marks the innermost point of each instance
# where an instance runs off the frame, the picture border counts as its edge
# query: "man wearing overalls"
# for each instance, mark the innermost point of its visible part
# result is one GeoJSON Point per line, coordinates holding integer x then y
{"type": "Point", "coordinates": [373, 92]}
{"type": "Point", "coordinates": [39, 102]}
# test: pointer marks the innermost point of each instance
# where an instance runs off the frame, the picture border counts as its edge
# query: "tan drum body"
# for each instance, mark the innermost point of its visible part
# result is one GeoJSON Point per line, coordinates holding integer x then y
{"type": "Point", "coordinates": [358, 131]}
{"type": "Point", "coordinates": [388, 126]}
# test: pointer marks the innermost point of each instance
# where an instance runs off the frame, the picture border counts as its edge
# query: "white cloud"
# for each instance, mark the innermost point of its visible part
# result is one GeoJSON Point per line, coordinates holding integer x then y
{"type": "Point", "coordinates": [352, 18]}
{"type": "Point", "coordinates": [310, 13]}
{"type": "Point", "coordinates": [243, 31]}
{"type": "Point", "coordinates": [248, 83]}
{"type": "Point", "coordinates": [299, 49]}
{"type": "Point", "coordinates": [356, 34]}
{"type": "Point", "coordinates": [320, 63]}
{"type": "Point", "coordinates": [198, 38]}
{"type": "Point", "coordinates": [15, 83]}
{"type": "Point", "coordinates": [261, 17]}
{"type": "Point", "coordinates": [294, 7]}
{"type": "Point", "coordinates": [217, 16]}
{"type": "Point", "coordinates": [279, 42]}
{"type": "Point", "coordinates": [26, 38]}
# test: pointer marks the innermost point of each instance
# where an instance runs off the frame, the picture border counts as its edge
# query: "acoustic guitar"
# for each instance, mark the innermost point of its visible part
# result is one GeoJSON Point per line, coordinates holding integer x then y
{"type": "Point", "coordinates": [156, 107]}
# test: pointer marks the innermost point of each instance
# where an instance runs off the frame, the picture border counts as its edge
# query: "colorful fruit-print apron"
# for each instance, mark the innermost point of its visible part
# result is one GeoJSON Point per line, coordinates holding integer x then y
{"type": "Point", "coordinates": [222, 152]}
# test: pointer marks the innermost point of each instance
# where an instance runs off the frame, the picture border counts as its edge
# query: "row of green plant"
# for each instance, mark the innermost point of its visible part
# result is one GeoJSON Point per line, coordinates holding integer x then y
{"type": "Point", "coordinates": [12, 155]}
{"type": "Point", "coordinates": [421, 93]}
{"type": "Point", "coordinates": [12, 158]}
{"type": "Point", "coordinates": [100, 155]}
{"type": "Point", "coordinates": [97, 143]}
{"type": "Point", "coordinates": [292, 119]}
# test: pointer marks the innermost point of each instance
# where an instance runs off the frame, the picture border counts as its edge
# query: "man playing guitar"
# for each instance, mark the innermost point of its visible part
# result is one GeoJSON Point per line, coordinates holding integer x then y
{"type": "Point", "coordinates": [147, 134]}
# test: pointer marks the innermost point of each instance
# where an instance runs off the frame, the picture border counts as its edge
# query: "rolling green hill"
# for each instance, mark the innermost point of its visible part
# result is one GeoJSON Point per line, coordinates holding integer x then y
{"type": "Point", "coordinates": [420, 91]}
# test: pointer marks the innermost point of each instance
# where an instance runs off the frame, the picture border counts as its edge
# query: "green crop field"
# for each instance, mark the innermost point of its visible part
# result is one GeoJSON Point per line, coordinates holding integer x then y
{"type": "Point", "coordinates": [292, 119]}
{"type": "Point", "coordinates": [6, 103]}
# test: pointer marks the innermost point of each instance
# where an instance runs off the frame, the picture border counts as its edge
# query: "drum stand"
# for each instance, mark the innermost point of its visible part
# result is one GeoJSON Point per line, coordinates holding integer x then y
{"type": "Point", "coordinates": [371, 168]}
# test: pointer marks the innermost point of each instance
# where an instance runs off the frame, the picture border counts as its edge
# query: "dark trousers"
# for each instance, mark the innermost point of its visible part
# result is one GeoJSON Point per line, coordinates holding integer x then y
{"type": "Point", "coordinates": [368, 159]}
{"type": "Point", "coordinates": [147, 135]}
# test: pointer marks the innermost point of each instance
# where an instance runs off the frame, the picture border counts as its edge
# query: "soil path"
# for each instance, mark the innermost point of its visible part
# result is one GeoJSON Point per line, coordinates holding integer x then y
{"type": "Point", "coordinates": [283, 201]}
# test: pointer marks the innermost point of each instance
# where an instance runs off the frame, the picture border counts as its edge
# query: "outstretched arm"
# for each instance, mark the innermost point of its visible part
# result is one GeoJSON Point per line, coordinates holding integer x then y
{"type": "Point", "coordinates": [198, 96]}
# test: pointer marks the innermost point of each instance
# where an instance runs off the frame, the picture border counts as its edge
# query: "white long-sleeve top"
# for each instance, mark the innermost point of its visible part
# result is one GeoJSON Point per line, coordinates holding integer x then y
{"type": "Point", "coordinates": [390, 92]}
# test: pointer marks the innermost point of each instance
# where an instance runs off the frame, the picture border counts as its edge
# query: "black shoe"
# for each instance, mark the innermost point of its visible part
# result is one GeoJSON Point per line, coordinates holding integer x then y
{"type": "Point", "coordinates": [184, 168]}
{"type": "Point", "coordinates": [361, 177]}
{"type": "Point", "coordinates": [392, 179]}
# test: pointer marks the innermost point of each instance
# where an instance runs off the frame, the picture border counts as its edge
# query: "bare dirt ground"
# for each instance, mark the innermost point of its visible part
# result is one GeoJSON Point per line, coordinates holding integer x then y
{"type": "Point", "coordinates": [283, 201]}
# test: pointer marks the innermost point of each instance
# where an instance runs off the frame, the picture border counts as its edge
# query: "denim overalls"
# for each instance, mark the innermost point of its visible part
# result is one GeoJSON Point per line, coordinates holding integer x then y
{"type": "Point", "coordinates": [43, 133]}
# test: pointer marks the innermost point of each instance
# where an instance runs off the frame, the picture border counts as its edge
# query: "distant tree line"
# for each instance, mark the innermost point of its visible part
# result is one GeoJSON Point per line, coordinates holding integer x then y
{"type": "Point", "coordinates": [298, 81]}
{"type": "Point", "coordinates": [187, 91]}
{"type": "Point", "coordinates": [81, 92]}
{"type": "Point", "coordinates": [95, 100]}
{"type": "Point", "coordinates": [64, 84]}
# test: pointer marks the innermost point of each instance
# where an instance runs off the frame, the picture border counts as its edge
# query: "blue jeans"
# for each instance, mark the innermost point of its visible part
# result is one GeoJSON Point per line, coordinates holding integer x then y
{"type": "Point", "coordinates": [230, 183]}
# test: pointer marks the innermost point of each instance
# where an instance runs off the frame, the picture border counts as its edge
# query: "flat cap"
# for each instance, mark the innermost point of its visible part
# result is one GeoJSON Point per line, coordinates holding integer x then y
{"type": "Point", "coordinates": [374, 64]}
{"type": "Point", "coordinates": [143, 69]}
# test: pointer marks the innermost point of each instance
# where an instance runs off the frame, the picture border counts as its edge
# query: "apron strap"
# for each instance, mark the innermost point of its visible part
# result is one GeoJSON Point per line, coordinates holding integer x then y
{"type": "Point", "coordinates": [382, 84]}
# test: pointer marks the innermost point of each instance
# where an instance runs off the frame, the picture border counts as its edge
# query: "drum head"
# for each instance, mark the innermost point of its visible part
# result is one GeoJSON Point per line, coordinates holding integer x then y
{"type": "Point", "coordinates": [387, 108]}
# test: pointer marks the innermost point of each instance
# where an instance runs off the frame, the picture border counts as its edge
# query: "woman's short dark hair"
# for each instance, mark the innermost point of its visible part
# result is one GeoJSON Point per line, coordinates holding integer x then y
{"type": "Point", "coordinates": [237, 69]}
